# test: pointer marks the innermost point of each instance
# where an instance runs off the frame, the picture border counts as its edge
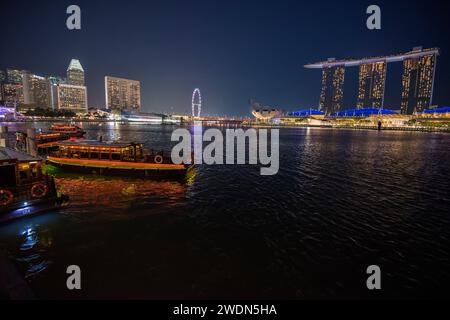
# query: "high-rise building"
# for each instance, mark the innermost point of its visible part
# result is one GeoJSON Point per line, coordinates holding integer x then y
{"type": "Point", "coordinates": [36, 91]}
{"type": "Point", "coordinates": [14, 76]}
{"type": "Point", "coordinates": [75, 73]}
{"type": "Point", "coordinates": [418, 82]}
{"type": "Point", "coordinates": [54, 81]}
{"type": "Point", "coordinates": [73, 98]}
{"type": "Point", "coordinates": [419, 67]}
{"type": "Point", "coordinates": [13, 94]}
{"type": "Point", "coordinates": [332, 94]}
{"type": "Point", "coordinates": [372, 79]}
{"type": "Point", "coordinates": [2, 80]}
{"type": "Point", "coordinates": [122, 94]}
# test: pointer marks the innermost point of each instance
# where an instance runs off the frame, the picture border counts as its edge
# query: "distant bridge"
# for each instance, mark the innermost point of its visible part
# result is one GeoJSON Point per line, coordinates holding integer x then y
{"type": "Point", "coordinates": [218, 120]}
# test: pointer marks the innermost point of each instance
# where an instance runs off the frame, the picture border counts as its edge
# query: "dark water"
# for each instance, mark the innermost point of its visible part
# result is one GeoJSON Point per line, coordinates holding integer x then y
{"type": "Point", "coordinates": [343, 200]}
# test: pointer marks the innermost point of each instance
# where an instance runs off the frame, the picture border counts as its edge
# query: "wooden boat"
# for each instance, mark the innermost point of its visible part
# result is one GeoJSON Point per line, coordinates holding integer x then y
{"type": "Point", "coordinates": [67, 130]}
{"type": "Point", "coordinates": [46, 141]}
{"type": "Point", "coordinates": [125, 158]}
{"type": "Point", "coordinates": [24, 189]}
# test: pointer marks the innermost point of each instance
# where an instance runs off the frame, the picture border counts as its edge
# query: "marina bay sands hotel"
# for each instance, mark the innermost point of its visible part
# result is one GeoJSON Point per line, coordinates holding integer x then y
{"type": "Point", "coordinates": [419, 67]}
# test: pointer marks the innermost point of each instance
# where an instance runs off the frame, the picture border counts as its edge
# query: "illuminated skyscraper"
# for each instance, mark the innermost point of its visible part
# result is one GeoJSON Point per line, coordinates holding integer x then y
{"type": "Point", "coordinates": [75, 73]}
{"type": "Point", "coordinates": [418, 83]}
{"type": "Point", "coordinates": [36, 91]}
{"type": "Point", "coordinates": [372, 79]}
{"type": "Point", "coordinates": [72, 98]}
{"type": "Point", "coordinates": [13, 94]}
{"type": "Point", "coordinates": [122, 94]}
{"type": "Point", "coordinates": [14, 76]}
{"type": "Point", "coordinates": [332, 94]}
{"type": "Point", "coordinates": [54, 81]}
{"type": "Point", "coordinates": [2, 80]}
{"type": "Point", "coordinates": [419, 66]}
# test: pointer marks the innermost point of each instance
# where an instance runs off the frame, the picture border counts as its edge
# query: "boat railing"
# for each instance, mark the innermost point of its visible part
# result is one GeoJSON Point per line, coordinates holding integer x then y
{"type": "Point", "coordinates": [148, 156]}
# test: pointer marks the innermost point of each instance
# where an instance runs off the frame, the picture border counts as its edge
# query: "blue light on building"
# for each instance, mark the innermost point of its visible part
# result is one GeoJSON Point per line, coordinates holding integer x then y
{"type": "Point", "coordinates": [363, 112]}
{"type": "Point", "coordinates": [306, 113]}
{"type": "Point", "coordinates": [437, 110]}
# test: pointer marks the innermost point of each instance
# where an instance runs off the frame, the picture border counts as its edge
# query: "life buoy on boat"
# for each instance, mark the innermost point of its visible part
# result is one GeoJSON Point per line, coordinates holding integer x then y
{"type": "Point", "coordinates": [158, 159]}
{"type": "Point", "coordinates": [6, 197]}
{"type": "Point", "coordinates": [39, 190]}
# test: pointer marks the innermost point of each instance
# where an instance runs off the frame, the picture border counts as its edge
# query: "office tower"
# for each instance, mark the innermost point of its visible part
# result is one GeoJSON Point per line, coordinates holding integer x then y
{"type": "Point", "coordinates": [418, 82]}
{"type": "Point", "coordinates": [13, 94]}
{"type": "Point", "coordinates": [54, 81]}
{"type": "Point", "coordinates": [57, 80]}
{"type": "Point", "coordinates": [122, 94]}
{"type": "Point", "coordinates": [372, 79]}
{"type": "Point", "coordinates": [36, 91]}
{"type": "Point", "coordinates": [72, 98]}
{"type": "Point", "coordinates": [332, 94]}
{"type": "Point", "coordinates": [2, 80]}
{"type": "Point", "coordinates": [14, 76]}
{"type": "Point", "coordinates": [75, 73]}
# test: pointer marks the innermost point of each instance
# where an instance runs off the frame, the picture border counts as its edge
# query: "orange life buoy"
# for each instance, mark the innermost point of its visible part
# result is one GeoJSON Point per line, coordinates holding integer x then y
{"type": "Point", "coordinates": [6, 197]}
{"type": "Point", "coordinates": [158, 159]}
{"type": "Point", "coordinates": [39, 190]}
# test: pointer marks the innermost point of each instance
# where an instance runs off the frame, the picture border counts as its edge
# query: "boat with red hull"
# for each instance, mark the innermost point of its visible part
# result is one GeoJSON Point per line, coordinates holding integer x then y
{"type": "Point", "coordinates": [123, 158]}
{"type": "Point", "coordinates": [67, 130]}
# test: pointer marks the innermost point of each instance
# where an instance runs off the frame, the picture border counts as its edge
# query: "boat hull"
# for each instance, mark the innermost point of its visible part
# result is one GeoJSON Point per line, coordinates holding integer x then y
{"type": "Point", "coordinates": [32, 208]}
{"type": "Point", "coordinates": [132, 169]}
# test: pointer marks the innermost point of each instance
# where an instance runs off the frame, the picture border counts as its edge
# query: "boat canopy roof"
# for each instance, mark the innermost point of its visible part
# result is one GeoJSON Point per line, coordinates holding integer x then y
{"type": "Point", "coordinates": [11, 154]}
{"type": "Point", "coordinates": [97, 144]}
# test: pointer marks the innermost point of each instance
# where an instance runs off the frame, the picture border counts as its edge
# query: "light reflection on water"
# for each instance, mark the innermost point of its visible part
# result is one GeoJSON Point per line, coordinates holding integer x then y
{"type": "Point", "coordinates": [29, 240]}
{"type": "Point", "coordinates": [342, 200]}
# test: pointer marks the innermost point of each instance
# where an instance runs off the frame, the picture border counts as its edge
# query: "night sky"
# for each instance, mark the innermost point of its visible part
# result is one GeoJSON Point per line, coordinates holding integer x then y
{"type": "Point", "coordinates": [232, 50]}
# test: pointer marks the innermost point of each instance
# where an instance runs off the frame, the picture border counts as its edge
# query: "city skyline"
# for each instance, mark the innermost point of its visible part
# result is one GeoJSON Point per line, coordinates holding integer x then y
{"type": "Point", "coordinates": [70, 93]}
{"type": "Point", "coordinates": [223, 157]}
{"type": "Point", "coordinates": [26, 91]}
{"type": "Point", "coordinates": [226, 53]}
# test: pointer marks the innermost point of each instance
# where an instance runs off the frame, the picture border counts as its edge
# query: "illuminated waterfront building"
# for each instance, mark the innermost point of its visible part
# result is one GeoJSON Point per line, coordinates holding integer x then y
{"type": "Point", "coordinates": [2, 80]}
{"type": "Point", "coordinates": [419, 66]}
{"type": "Point", "coordinates": [54, 81]}
{"type": "Point", "coordinates": [372, 79]}
{"type": "Point", "coordinates": [14, 76]}
{"type": "Point", "coordinates": [36, 91]}
{"type": "Point", "coordinates": [11, 91]}
{"type": "Point", "coordinates": [75, 73]}
{"type": "Point", "coordinates": [13, 94]}
{"type": "Point", "coordinates": [72, 98]}
{"type": "Point", "coordinates": [332, 94]}
{"type": "Point", "coordinates": [264, 113]}
{"type": "Point", "coordinates": [418, 83]}
{"type": "Point", "coordinates": [122, 94]}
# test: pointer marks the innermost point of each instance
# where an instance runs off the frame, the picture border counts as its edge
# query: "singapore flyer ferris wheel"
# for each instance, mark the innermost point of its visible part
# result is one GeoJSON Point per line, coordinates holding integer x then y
{"type": "Point", "coordinates": [196, 103]}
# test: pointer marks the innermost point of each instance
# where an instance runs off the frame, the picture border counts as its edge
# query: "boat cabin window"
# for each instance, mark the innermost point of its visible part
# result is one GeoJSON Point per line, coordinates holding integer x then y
{"type": "Point", "coordinates": [94, 155]}
{"type": "Point", "coordinates": [114, 153]}
{"type": "Point", "coordinates": [8, 174]}
{"type": "Point", "coordinates": [29, 172]}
